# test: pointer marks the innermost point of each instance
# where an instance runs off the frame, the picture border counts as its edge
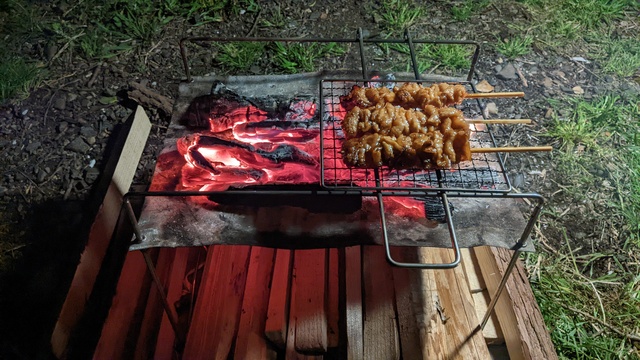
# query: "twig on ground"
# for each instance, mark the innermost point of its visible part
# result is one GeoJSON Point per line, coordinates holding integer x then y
{"type": "Point", "coordinates": [15, 248]}
{"type": "Point", "coordinates": [632, 337]}
{"type": "Point", "coordinates": [31, 181]}
{"type": "Point", "coordinates": [148, 97]}
{"type": "Point", "coordinates": [255, 23]}
{"type": "Point", "coordinates": [94, 76]}
{"type": "Point", "coordinates": [65, 46]}
{"type": "Point", "coordinates": [46, 111]}
{"type": "Point", "coordinates": [521, 76]}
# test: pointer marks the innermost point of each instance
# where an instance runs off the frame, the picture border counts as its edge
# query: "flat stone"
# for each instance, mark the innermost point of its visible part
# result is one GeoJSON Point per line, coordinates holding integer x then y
{"type": "Point", "coordinates": [60, 102]}
{"type": "Point", "coordinates": [78, 145]}
{"type": "Point", "coordinates": [32, 147]}
{"type": "Point", "coordinates": [547, 82]}
{"type": "Point", "coordinates": [484, 86]}
{"type": "Point", "coordinates": [91, 175]}
{"type": "Point", "coordinates": [88, 131]}
{"type": "Point", "coordinates": [578, 90]}
{"type": "Point", "coordinates": [508, 72]}
{"type": "Point", "coordinates": [63, 126]}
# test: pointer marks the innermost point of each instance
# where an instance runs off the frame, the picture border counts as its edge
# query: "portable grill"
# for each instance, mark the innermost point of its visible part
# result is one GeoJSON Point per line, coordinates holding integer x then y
{"type": "Point", "coordinates": [482, 177]}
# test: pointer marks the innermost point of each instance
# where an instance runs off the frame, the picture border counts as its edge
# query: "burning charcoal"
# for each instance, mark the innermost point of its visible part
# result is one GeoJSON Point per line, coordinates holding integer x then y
{"type": "Point", "coordinates": [219, 114]}
{"type": "Point", "coordinates": [286, 152]}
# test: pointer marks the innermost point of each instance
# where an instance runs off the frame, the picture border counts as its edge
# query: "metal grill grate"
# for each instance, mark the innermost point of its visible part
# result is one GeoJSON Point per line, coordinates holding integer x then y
{"type": "Point", "coordinates": [484, 173]}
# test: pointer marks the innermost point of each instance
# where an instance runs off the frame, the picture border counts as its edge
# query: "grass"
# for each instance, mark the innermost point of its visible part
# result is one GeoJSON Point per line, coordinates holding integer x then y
{"type": "Point", "coordinates": [18, 77]}
{"type": "Point", "coordinates": [239, 56]}
{"type": "Point", "coordinates": [464, 10]}
{"type": "Point", "coordinates": [573, 25]}
{"type": "Point", "coordinates": [515, 47]}
{"type": "Point", "coordinates": [297, 57]}
{"type": "Point", "coordinates": [590, 298]}
{"type": "Point", "coordinates": [399, 15]}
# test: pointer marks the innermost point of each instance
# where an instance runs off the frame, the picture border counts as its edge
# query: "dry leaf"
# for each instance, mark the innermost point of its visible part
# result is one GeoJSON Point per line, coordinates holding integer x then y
{"type": "Point", "coordinates": [484, 86]}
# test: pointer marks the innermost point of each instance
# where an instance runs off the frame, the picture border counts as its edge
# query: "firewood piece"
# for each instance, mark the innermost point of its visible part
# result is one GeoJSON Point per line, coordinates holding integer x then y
{"type": "Point", "coordinates": [217, 310]}
{"type": "Point", "coordinates": [150, 98]}
{"type": "Point", "coordinates": [407, 318]}
{"type": "Point", "coordinates": [153, 310]}
{"type": "Point", "coordinates": [123, 169]}
{"type": "Point", "coordinates": [380, 334]}
{"type": "Point", "coordinates": [461, 338]}
{"type": "Point", "coordinates": [333, 298]}
{"type": "Point", "coordinates": [310, 310]}
{"type": "Point", "coordinates": [166, 336]}
{"type": "Point", "coordinates": [251, 343]}
{"type": "Point", "coordinates": [277, 315]}
{"type": "Point", "coordinates": [353, 295]}
{"type": "Point", "coordinates": [120, 325]}
{"type": "Point", "coordinates": [290, 349]}
{"type": "Point", "coordinates": [491, 332]}
{"type": "Point", "coordinates": [516, 309]}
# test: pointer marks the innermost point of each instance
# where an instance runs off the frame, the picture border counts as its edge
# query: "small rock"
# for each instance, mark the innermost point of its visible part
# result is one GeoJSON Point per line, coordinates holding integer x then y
{"type": "Point", "coordinates": [50, 50]}
{"type": "Point", "coordinates": [60, 102]}
{"type": "Point", "coordinates": [497, 68]}
{"type": "Point", "coordinates": [609, 78]}
{"type": "Point", "coordinates": [72, 97]}
{"type": "Point", "coordinates": [324, 15]}
{"type": "Point", "coordinates": [91, 175]}
{"type": "Point", "coordinates": [493, 81]}
{"type": "Point", "coordinates": [63, 126]}
{"type": "Point", "coordinates": [549, 113]}
{"type": "Point", "coordinates": [518, 181]}
{"type": "Point", "coordinates": [578, 90]}
{"type": "Point", "coordinates": [547, 82]}
{"type": "Point", "coordinates": [32, 147]}
{"type": "Point", "coordinates": [507, 73]}
{"type": "Point", "coordinates": [85, 102]}
{"type": "Point", "coordinates": [580, 59]}
{"type": "Point", "coordinates": [41, 177]}
{"type": "Point", "coordinates": [490, 109]}
{"type": "Point", "coordinates": [314, 15]}
{"type": "Point", "coordinates": [91, 140]}
{"type": "Point", "coordinates": [78, 145]}
{"type": "Point", "coordinates": [484, 86]}
{"type": "Point", "coordinates": [88, 131]}
{"type": "Point", "coordinates": [566, 89]}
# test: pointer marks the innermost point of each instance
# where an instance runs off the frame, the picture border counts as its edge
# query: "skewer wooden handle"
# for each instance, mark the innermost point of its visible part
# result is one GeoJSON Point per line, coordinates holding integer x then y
{"type": "Point", "coordinates": [511, 149]}
{"type": "Point", "coordinates": [498, 121]}
{"type": "Point", "coordinates": [495, 95]}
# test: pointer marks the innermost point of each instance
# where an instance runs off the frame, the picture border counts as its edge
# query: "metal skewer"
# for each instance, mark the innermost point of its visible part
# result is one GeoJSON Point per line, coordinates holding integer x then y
{"type": "Point", "coordinates": [511, 149]}
{"type": "Point", "coordinates": [494, 95]}
{"type": "Point", "coordinates": [498, 121]}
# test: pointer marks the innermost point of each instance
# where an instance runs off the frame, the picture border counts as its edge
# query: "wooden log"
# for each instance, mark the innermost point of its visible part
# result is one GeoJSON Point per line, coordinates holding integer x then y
{"type": "Point", "coordinates": [403, 279]}
{"type": "Point", "coordinates": [122, 323]}
{"type": "Point", "coordinates": [251, 342]}
{"type": "Point", "coordinates": [462, 336]}
{"type": "Point", "coordinates": [122, 169]}
{"type": "Point", "coordinates": [165, 349]}
{"type": "Point", "coordinates": [217, 310]}
{"type": "Point", "coordinates": [310, 268]}
{"type": "Point", "coordinates": [516, 309]}
{"type": "Point", "coordinates": [491, 332]}
{"type": "Point", "coordinates": [153, 309]}
{"type": "Point", "coordinates": [278, 312]}
{"type": "Point", "coordinates": [380, 334]}
{"type": "Point", "coordinates": [333, 299]}
{"type": "Point", "coordinates": [290, 349]}
{"type": "Point", "coordinates": [353, 299]}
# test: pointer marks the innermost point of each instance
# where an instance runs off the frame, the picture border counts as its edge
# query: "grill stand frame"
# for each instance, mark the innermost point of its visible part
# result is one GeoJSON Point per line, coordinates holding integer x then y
{"type": "Point", "coordinates": [443, 194]}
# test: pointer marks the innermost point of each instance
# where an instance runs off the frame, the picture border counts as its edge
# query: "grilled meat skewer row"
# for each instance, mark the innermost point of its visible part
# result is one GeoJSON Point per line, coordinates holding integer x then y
{"type": "Point", "coordinates": [409, 95]}
{"type": "Point", "coordinates": [396, 121]}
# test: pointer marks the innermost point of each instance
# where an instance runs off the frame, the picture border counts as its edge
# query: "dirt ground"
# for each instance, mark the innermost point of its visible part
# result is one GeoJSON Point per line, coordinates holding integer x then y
{"type": "Point", "coordinates": [54, 143]}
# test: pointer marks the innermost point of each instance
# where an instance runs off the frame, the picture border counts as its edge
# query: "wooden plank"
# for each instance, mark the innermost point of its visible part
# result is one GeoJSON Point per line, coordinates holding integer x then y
{"type": "Point", "coordinates": [278, 312]}
{"type": "Point", "coordinates": [117, 338]}
{"type": "Point", "coordinates": [516, 309]}
{"type": "Point", "coordinates": [251, 342]}
{"type": "Point", "coordinates": [166, 337]}
{"type": "Point", "coordinates": [333, 299]}
{"type": "Point", "coordinates": [217, 310]}
{"type": "Point", "coordinates": [407, 317]}
{"type": "Point", "coordinates": [153, 309]}
{"type": "Point", "coordinates": [380, 334]}
{"type": "Point", "coordinates": [310, 268]}
{"type": "Point", "coordinates": [491, 332]}
{"type": "Point", "coordinates": [353, 299]}
{"type": "Point", "coordinates": [99, 236]}
{"type": "Point", "coordinates": [462, 336]}
{"type": "Point", "coordinates": [290, 349]}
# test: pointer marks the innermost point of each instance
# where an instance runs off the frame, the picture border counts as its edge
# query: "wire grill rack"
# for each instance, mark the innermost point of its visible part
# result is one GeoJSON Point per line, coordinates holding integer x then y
{"type": "Point", "coordinates": [484, 173]}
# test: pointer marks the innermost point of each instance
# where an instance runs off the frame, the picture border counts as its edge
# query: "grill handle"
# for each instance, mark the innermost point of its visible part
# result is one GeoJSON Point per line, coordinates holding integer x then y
{"type": "Point", "coordinates": [418, 265]}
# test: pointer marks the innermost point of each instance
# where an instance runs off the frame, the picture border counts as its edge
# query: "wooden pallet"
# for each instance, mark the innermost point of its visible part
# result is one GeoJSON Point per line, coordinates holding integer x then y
{"type": "Point", "coordinates": [348, 303]}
